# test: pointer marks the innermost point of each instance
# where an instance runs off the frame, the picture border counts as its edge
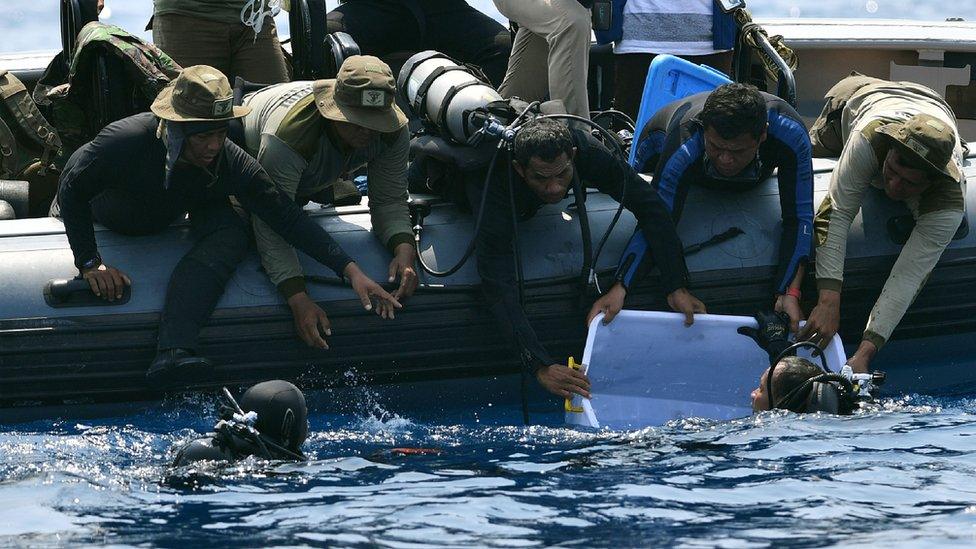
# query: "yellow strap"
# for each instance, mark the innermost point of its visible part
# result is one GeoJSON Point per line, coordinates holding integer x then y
{"type": "Point", "coordinates": [568, 405]}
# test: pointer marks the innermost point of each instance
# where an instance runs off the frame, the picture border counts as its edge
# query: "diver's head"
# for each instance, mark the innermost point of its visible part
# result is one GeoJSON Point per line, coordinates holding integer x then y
{"type": "Point", "coordinates": [281, 410]}
{"type": "Point", "coordinates": [787, 375]}
{"type": "Point", "coordinates": [734, 125]}
{"type": "Point", "coordinates": [543, 155]}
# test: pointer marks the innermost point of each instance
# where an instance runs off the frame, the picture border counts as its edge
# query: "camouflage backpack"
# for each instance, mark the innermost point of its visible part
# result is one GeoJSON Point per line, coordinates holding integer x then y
{"type": "Point", "coordinates": [111, 74]}
{"type": "Point", "coordinates": [26, 137]}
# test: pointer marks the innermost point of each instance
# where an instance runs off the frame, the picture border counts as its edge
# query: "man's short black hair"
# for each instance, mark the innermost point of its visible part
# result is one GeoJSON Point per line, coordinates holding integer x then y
{"type": "Point", "coordinates": [790, 373]}
{"type": "Point", "coordinates": [734, 109]}
{"type": "Point", "coordinates": [542, 137]}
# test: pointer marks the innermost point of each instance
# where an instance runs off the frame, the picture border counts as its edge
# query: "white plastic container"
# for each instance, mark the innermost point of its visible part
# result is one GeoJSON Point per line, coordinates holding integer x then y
{"type": "Point", "coordinates": [647, 368]}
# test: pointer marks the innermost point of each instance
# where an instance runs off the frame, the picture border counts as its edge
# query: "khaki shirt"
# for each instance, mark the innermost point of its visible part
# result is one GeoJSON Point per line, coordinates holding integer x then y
{"type": "Point", "coordinates": [937, 212]}
{"type": "Point", "coordinates": [299, 150]}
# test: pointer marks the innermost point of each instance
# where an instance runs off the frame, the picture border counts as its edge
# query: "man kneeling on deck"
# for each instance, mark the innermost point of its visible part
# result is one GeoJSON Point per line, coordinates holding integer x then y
{"type": "Point", "coordinates": [549, 158]}
{"type": "Point", "coordinates": [309, 137]}
{"type": "Point", "coordinates": [729, 139]}
{"type": "Point", "coordinates": [141, 173]}
{"type": "Point", "coordinates": [899, 137]}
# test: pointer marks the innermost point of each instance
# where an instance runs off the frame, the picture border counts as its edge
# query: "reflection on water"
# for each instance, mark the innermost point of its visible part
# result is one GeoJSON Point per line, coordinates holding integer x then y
{"type": "Point", "coordinates": [899, 474]}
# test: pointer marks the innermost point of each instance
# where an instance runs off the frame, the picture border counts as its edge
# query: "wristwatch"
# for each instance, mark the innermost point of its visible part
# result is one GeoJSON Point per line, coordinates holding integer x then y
{"type": "Point", "coordinates": [95, 261]}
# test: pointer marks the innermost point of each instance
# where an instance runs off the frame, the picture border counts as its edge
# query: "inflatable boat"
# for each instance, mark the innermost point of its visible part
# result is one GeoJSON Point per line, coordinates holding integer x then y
{"type": "Point", "coordinates": [63, 346]}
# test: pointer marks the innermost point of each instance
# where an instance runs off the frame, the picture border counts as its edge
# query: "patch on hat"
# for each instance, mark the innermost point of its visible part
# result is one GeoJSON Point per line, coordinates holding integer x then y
{"type": "Point", "coordinates": [373, 67]}
{"type": "Point", "coordinates": [223, 107]}
{"type": "Point", "coordinates": [373, 98]}
{"type": "Point", "coordinates": [939, 126]}
{"type": "Point", "coordinates": [919, 148]}
{"type": "Point", "coordinates": [208, 77]}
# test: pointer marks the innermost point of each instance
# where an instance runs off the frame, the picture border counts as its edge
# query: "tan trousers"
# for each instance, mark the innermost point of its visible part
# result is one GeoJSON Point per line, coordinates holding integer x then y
{"type": "Point", "coordinates": [551, 52]}
{"type": "Point", "coordinates": [229, 47]}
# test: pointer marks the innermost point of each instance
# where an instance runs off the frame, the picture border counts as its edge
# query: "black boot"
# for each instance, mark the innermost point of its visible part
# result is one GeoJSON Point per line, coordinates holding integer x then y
{"type": "Point", "coordinates": [178, 367]}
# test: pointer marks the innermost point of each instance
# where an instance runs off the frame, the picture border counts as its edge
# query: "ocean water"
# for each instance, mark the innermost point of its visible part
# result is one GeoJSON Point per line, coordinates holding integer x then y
{"type": "Point", "coordinates": [898, 474]}
{"type": "Point", "coordinates": [26, 26]}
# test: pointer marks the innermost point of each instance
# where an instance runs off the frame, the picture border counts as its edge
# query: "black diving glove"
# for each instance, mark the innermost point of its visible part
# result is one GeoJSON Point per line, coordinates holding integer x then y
{"type": "Point", "coordinates": [772, 334]}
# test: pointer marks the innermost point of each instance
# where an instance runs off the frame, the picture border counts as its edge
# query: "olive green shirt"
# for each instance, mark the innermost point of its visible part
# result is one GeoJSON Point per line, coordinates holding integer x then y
{"type": "Point", "coordinates": [223, 11]}
{"type": "Point", "coordinates": [299, 150]}
{"type": "Point", "coordinates": [938, 211]}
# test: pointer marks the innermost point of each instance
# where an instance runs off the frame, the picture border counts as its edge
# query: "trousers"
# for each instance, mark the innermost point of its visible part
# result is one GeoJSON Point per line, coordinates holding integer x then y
{"type": "Point", "coordinates": [222, 239]}
{"type": "Point", "coordinates": [230, 48]}
{"type": "Point", "coordinates": [550, 54]}
{"type": "Point", "coordinates": [452, 27]}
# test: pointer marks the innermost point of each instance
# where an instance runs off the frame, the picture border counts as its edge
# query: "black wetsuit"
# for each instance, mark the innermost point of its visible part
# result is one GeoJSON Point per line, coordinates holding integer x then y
{"type": "Point", "coordinates": [672, 144]}
{"type": "Point", "coordinates": [452, 27]}
{"type": "Point", "coordinates": [118, 179]}
{"type": "Point", "coordinates": [596, 167]}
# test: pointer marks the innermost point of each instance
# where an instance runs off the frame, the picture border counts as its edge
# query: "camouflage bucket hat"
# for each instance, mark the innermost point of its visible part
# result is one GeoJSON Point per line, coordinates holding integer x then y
{"type": "Point", "coordinates": [199, 94]}
{"type": "Point", "coordinates": [362, 93]}
{"type": "Point", "coordinates": [927, 138]}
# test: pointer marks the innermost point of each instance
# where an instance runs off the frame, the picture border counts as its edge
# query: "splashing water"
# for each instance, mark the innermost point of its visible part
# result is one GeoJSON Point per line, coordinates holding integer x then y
{"type": "Point", "coordinates": [899, 473]}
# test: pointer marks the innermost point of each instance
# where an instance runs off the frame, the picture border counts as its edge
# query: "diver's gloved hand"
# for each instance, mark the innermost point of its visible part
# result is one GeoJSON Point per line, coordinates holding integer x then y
{"type": "Point", "coordinates": [772, 333]}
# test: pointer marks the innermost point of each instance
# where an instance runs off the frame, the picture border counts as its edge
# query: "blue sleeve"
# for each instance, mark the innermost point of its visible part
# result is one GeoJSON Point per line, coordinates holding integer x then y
{"type": "Point", "coordinates": [676, 158]}
{"type": "Point", "coordinates": [795, 178]}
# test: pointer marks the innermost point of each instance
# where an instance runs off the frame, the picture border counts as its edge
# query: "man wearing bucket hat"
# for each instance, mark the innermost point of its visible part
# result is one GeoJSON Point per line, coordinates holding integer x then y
{"type": "Point", "coordinates": [311, 137]}
{"type": "Point", "coordinates": [899, 137]}
{"type": "Point", "coordinates": [143, 172]}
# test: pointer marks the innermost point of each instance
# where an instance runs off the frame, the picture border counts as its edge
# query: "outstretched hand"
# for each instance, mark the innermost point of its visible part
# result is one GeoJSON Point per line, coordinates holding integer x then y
{"type": "Point", "coordinates": [367, 289]}
{"type": "Point", "coordinates": [824, 320]}
{"type": "Point", "coordinates": [311, 322]}
{"type": "Point", "coordinates": [682, 301]}
{"type": "Point", "coordinates": [609, 304]}
{"type": "Point", "coordinates": [791, 306]}
{"type": "Point", "coordinates": [563, 381]}
{"type": "Point", "coordinates": [402, 267]}
{"type": "Point", "coordinates": [772, 334]}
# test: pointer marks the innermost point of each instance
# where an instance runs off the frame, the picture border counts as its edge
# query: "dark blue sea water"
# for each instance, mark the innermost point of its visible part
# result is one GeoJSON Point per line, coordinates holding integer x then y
{"type": "Point", "coordinates": [899, 474]}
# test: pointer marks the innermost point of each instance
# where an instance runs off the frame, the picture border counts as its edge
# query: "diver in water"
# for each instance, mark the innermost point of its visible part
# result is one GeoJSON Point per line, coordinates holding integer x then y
{"type": "Point", "coordinates": [271, 422]}
{"type": "Point", "coordinates": [796, 384]}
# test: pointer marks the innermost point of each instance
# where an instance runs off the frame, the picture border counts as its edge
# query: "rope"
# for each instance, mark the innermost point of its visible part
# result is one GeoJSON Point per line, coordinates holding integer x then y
{"type": "Point", "coordinates": [750, 29]}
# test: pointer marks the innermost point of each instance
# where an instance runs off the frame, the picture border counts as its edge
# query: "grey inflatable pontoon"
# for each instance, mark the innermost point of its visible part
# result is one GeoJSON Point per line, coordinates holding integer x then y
{"type": "Point", "coordinates": [62, 347]}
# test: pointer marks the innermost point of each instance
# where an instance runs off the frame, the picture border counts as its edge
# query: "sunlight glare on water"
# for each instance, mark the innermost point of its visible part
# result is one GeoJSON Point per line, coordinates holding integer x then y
{"type": "Point", "coordinates": [897, 474]}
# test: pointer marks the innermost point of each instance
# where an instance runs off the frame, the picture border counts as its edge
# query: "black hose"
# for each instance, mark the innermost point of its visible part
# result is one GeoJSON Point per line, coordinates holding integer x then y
{"type": "Point", "coordinates": [623, 192]}
{"type": "Point", "coordinates": [481, 210]}
{"type": "Point", "coordinates": [614, 113]}
{"type": "Point", "coordinates": [516, 247]}
{"type": "Point", "coordinates": [579, 194]}
{"type": "Point", "coordinates": [477, 226]}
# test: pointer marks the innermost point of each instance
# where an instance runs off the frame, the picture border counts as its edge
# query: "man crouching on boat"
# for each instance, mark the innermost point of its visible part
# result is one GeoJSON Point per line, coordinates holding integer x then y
{"type": "Point", "coordinates": [899, 137]}
{"type": "Point", "coordinates": [729, 139]}
{"type": "Point", "coordinates": [143, 172]}
{"type": "Point", "coordinates": [309, 136]}
{"type": "Point", "coordinates": [549, 158]}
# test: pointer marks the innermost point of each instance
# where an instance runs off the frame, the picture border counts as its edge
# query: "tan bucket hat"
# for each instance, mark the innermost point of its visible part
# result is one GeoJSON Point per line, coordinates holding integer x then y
{"type": "Point", "coordinates": [927, 138]}
{"type": "Point", "coordinates": [362, 93]}
{"type": "Point", "coordinates": [199, 94]}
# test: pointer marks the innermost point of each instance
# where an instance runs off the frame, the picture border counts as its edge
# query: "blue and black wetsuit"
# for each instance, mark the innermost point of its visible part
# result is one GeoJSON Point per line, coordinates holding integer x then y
{"type": "Point", "coordinates": [673, 146]}
{"type": "Point", "coordinates": [596, 167]}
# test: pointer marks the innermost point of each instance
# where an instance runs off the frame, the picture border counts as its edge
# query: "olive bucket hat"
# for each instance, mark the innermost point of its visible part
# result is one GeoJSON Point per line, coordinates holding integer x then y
{"type": "Point", "coordinates": [362, 93]}
{"type": "Point", "coordinates": [929, 139]}
{"type": "Point", "coordinates": [199, 94]}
